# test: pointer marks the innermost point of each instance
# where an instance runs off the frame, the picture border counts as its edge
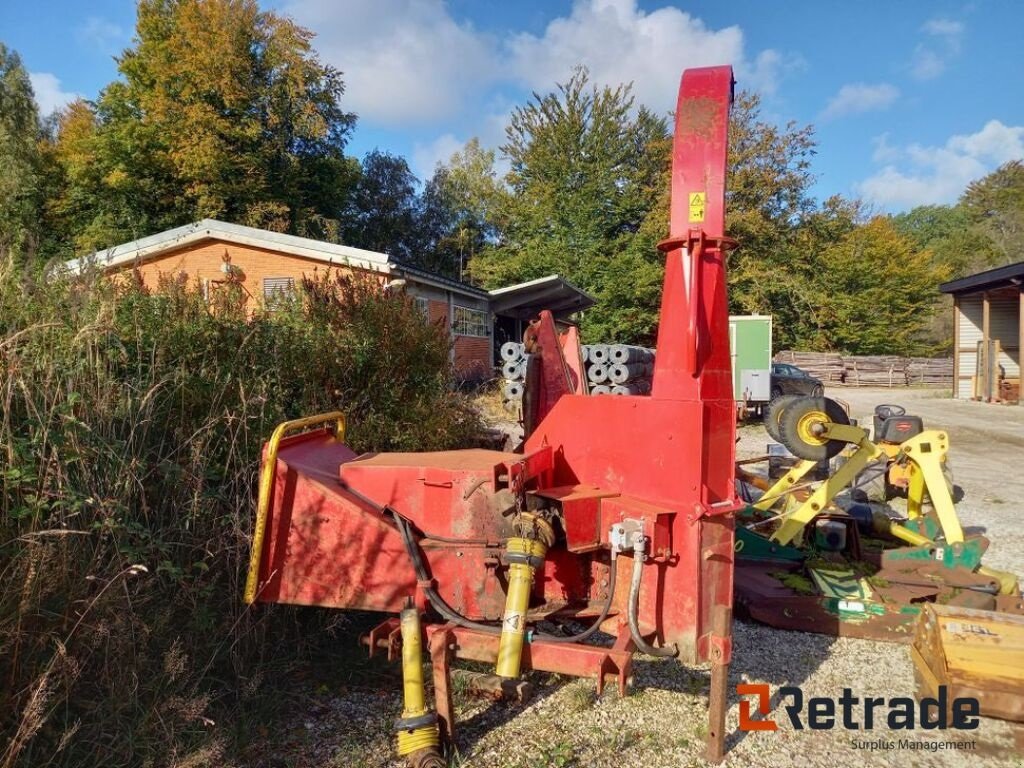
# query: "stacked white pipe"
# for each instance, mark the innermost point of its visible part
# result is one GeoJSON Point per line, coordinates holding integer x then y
{"type": "Point", "coordinates": [618, 369]}
{"type": "Point", "coordinates": [612, 369]}
{"type": "Point", "coordinates": [513, 373]}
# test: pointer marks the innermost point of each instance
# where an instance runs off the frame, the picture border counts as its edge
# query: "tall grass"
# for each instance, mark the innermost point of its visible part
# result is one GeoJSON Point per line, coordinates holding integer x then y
{"type": "Point", "coordinates": [131, 424]}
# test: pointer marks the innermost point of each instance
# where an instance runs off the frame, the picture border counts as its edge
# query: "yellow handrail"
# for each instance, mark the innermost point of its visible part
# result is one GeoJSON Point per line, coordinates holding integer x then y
{"type": "Point", "coordinates": [267, 472]}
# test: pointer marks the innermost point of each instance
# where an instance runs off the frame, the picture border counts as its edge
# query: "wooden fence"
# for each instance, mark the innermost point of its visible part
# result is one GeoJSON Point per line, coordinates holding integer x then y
{"type": "Point", "coordinates": [872, 370]}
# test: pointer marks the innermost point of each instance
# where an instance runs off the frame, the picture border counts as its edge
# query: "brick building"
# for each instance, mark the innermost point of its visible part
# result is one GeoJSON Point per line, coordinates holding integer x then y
{"type": "Point", "coordinates": [266, 264]}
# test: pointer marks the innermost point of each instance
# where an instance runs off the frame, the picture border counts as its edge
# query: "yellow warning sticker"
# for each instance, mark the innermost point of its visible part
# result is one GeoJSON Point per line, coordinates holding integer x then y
{"type": "Point", "coordinates": [697, 200]}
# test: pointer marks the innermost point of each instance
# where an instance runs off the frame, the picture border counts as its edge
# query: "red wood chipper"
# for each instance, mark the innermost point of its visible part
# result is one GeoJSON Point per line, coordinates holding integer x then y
{"type": "Point", "coordinates": [618, 514]}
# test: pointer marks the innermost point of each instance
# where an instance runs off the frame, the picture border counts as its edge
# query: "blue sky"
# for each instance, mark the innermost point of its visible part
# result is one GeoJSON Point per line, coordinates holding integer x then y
{"type": "Point", "coordinates": [910, 100]}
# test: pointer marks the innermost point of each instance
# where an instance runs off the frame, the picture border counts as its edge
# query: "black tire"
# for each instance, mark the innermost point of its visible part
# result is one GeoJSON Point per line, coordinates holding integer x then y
{"type": "Point", "coordinates": [773, 416]}
{"type": "Point", "coordinates": [809, 448]}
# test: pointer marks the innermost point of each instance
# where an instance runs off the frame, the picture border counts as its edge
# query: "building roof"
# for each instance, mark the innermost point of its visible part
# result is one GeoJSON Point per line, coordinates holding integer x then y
{"type": "Point", "coordinates": [146, 248]}
{"type": "Point", "coordinates": [525, 300]}
{"type": "Point", "coordinates": [442, 281]}
{"type": "Point", "coordinates": [1012, 275]}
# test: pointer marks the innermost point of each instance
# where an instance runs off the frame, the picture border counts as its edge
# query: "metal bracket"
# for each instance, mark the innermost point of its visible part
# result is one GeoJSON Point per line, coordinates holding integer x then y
{"type": "Point", "coordinates": [622, 535]}
{"type": "Point", "coordinates": [720, 649]}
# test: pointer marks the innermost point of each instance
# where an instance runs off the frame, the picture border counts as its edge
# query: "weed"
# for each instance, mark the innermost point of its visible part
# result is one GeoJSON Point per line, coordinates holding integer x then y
{"type": "Point", "coordinates": [560, 755]}
{"type": "Point", "coordinates": [582, 697]}
{"type": "Point", "coordinates": [131, 425]}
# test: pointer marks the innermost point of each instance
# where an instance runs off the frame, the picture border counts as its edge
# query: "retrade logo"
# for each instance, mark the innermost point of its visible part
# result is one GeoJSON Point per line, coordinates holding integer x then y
{"type": "Point", "coordinates": [855, 713]}
{"type": "Point", "coordinates": [747, 723]}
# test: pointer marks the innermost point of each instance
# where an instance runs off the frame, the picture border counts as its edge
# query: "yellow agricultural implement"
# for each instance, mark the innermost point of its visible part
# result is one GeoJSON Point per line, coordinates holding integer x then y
{"type": "Point", "coordinates": [806, 563]}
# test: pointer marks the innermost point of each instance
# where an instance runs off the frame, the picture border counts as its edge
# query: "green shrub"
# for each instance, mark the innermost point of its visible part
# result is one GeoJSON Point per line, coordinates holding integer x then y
{"type": "Point", "coordinates": [131, 425]}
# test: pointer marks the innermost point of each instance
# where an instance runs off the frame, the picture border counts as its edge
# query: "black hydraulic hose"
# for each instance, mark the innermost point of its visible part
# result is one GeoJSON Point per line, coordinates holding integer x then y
{"type": "Point", "coordinates": [436, 601]}
{"type": "Point", "coordinates": [577, 638]}
{"type": "Point", "coordinates": [447, 612]}
{"type": "Point", "coordinates": [639, 549]}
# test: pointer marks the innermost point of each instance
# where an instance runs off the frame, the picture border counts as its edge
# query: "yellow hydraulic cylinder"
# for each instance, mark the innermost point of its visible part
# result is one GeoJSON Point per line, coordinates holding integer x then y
{"type": "Point", "coordinates": [524, 555]}
{"type": "Point", "coordinates": [418, 737]}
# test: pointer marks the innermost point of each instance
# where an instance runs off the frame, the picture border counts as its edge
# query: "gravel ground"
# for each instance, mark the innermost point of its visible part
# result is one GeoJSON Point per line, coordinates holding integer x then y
{"type": "Point", "coordinates": [663, 721]}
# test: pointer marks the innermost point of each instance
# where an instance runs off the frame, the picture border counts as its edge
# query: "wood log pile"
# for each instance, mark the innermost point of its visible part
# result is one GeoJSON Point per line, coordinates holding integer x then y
{"type": "Point", "coordinates": [871, 370]}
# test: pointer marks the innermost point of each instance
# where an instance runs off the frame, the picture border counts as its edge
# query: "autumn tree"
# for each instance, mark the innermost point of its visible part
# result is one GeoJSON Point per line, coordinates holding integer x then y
{"type": "Point", "coordinates": [222, 110]}
{"type": "Point", "coordinates": [19, 158]}
{"type": "Point", "coordinates": [780, 227]}
{"type": "Point", "coordinates": [876, 292]}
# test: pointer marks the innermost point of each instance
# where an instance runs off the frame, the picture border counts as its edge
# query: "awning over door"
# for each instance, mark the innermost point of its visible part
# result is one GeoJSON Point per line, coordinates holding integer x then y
{"type": "Point", "coordinates": [525, 300]}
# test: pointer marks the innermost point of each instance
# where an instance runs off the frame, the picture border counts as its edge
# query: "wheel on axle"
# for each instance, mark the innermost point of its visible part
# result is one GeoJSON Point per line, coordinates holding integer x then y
{"type": "Point", "coordinates": [802, 424]}
{"type": "Point", "coordinates": [773, 417]}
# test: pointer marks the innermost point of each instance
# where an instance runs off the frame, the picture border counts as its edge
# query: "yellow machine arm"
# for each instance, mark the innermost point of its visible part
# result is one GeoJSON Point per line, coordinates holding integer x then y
{"type": "Point", "coordinates": [925, 454]}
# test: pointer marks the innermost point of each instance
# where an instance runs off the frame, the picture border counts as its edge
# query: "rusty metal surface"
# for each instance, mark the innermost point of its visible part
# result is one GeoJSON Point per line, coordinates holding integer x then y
{"type": "Point", "coordinates": [718, 699]}
{"type": "Point", "coordinates": [764, 598]}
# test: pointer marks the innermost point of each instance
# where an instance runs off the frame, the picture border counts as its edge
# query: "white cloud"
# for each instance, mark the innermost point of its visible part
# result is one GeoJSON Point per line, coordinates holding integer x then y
{"type": "Point", "coordinates": [407, 61]}
{"type": "Point", "coordinates": [425, 157]}
{"type": "Point", "coordinates": [619, 42]}
{"type": "Point", "coordinates": [101, 34]}
{"type": "Point", "coordinates": [927, 64]}
{"type": "Point", "coordinates": [944, 28]}
{"type": "Point", "coordinates": [931, 58]}
{"type": "Point", "coordinates": [402, 60]}
{"type": "Point", "coordinates": [855, 98]}
{"type": "Point", "coordinates": [937, 175]}
{"type": "Point", "coordinates": [884, 152]}
{"type": "Point", "coordinates": [49, 95]}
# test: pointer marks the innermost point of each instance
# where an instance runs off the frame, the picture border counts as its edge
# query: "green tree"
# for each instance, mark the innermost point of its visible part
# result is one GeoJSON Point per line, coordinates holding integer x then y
{"type": "Point", "coordinates": [996, 205]}
{"type": "Point", "coordinates": [780, 227]}
{"type": "Point", "coordinates": [876, 292]}
{"type": "Point", "coordinates": [951, 233]}
{"type": "Point", "coordinates": [19, 158]}
{"type": "Point", "coordinates": [586, 171]}
{"type": "Point", "coordinates": [223, 110]}
{"type": "Point", "coordinates": [384, 207]}
{"type": "Point", "coordinates": [460, 209]}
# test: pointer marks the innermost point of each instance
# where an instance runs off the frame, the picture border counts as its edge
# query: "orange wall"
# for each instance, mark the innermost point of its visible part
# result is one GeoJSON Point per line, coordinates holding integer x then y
{"type": "Point", "coordinates": [202, 261]}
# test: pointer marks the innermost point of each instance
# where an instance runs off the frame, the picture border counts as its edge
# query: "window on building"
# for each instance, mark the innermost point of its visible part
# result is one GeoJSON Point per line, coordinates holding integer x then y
{"type": "Point", "coordinates": [277, 290]}
{"type": "Point", "coordinates": [423, 305]}
{"type": "Point", "coordinates": [470, 322]}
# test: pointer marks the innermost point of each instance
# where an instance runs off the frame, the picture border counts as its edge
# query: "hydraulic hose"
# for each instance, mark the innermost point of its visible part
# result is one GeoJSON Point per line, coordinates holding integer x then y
{"type": "Point", "coordinates": [436, 601]}
{"type": "Point", "coordinates": [605, 610]}
{"type": "Point", "coordinates": [449, 614]}
{"type": "Point", "coordinates": [639, 551]}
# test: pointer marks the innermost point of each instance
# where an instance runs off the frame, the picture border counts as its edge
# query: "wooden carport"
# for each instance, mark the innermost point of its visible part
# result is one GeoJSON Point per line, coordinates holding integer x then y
{"type": "Point", "coordinates": [988, 325]}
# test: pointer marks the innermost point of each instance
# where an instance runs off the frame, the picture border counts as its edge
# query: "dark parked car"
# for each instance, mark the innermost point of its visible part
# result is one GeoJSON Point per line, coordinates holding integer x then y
{"type": "Point", "coordinates": [790, 380]}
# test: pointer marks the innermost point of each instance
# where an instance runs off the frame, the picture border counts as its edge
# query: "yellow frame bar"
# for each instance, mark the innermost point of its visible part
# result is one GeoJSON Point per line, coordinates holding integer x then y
{"type": "Point", "coordinates": [866, 451]}
{"type": "Point", "coordinates": [783, 484]}
{"type": "Point", "coordinates": [267, 486]}
{"type": "Point", "coordinates": [928, 451]}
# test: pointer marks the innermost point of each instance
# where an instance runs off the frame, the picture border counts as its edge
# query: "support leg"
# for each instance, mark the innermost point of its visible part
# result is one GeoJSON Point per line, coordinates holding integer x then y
{"type": "Point", "coordinates": [441, 652]}
{"type": "Point", "coordinates": [718, 701]}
